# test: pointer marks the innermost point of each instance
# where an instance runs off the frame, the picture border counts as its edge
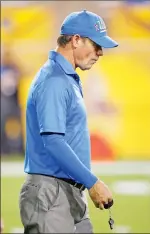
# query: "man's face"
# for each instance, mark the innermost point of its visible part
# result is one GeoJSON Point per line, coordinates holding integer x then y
{"type": "Point", "coordinates": [86, 53]}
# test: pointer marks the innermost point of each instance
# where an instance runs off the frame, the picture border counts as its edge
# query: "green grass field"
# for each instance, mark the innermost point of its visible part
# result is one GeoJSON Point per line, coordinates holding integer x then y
{"type": "Point", "coordinates": [131, 212]}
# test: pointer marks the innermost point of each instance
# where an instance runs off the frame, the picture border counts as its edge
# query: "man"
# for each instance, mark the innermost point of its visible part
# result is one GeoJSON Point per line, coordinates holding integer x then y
{"type": "Point", "coordinates": [57, 158]}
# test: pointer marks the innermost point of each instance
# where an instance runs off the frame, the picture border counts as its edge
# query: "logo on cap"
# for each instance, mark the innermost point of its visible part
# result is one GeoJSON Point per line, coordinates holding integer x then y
{"type": "Point", "coordinates": [100, 25]}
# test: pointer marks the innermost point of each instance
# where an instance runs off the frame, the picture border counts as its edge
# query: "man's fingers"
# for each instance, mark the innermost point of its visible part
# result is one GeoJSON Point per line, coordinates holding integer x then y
{"type": "Point", "coordinates": [109, 204]}
{"type": "Point", "coordinates": [110, 199]}
{"type": "Point", "coordinates": [101, 206]}
{"type": "Point", "coordinates": [96, 204]}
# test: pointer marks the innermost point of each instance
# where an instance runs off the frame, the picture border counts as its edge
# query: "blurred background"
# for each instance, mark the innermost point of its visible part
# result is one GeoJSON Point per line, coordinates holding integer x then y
{"type": "Point", "coordinates": [117, 97]}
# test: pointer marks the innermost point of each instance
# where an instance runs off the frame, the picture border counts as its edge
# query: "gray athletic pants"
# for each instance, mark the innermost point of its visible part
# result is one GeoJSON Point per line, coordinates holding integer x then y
{"type": "Point", "coordinates": [50, 205]}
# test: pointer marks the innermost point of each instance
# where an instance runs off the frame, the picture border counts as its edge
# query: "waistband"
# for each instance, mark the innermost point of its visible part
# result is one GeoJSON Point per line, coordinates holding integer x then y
{"type": "Point", "coordinates": [38, 177]}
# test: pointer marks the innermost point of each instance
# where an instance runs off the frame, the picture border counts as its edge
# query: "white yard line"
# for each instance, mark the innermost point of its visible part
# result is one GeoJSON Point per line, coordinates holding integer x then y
{"type": "Point", "coordinates": [15, 169]}
{"type": "Point", "coordinates": [131, 187]}
{"type": "Point", "coordinates": [122, 168]}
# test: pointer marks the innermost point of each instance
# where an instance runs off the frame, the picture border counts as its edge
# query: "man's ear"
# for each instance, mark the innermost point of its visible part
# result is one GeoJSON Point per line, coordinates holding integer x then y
{"type": "Point", "coordinates": [76, 41]}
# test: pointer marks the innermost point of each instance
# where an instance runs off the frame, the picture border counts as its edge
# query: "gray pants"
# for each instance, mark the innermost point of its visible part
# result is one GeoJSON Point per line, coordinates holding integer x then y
{"type": "Point", "coordinates": [50, 205]}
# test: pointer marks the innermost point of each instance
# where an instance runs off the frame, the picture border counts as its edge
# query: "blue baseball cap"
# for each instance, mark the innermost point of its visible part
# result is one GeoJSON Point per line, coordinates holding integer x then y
{"type": "Point", "coordinates": [87, 24]}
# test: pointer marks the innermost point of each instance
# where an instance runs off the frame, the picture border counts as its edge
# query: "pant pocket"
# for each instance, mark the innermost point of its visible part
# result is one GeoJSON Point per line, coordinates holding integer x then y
{"type": "Point", "coordinates": [78, 206]}
{"type": "Point", "coordinates": [28, 202]}
{"type": "Point", "coordinates": [48, 196]}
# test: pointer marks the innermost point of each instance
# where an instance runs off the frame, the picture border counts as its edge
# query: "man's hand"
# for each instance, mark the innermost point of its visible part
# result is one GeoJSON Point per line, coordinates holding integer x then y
{"type": "Point", "coordinates": [100, 194]}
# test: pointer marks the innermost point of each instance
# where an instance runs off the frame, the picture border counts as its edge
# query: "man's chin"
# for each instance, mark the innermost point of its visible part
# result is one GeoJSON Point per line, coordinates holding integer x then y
{"type": "Point", "coordinates": [86, 68]}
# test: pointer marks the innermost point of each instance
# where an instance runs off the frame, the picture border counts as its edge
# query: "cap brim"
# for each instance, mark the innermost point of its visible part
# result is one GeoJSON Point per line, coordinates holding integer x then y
{"type": "Point", "coordinates": [105, 42]}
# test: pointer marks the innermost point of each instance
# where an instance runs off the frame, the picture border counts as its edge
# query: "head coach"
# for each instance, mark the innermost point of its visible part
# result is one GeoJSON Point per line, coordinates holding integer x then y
{"type": "Point", "coordinates": [57, 158]}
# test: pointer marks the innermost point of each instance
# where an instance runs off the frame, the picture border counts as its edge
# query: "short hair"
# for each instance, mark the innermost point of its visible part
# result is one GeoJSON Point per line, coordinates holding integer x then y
{"type": "Point", "coordinates": [63, 40]}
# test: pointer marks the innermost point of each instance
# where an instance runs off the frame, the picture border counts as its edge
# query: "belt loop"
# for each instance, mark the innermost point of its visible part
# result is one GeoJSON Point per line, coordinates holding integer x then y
{"type": "Point", "coordinates": [75, 184]}
{"type": "Point", "coordinates": [82, 188]}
